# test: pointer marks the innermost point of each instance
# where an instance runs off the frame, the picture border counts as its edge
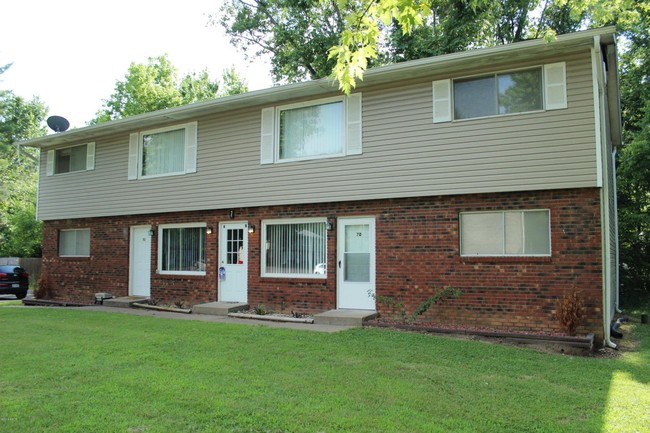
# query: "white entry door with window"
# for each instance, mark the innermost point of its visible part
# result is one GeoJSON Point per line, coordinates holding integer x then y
{"type": "Point", "coordinates": [233, 262]}
{"type": "Point", "coordinates": [140, 262]}
{"type": "Point", "coordinates": [356, 263]}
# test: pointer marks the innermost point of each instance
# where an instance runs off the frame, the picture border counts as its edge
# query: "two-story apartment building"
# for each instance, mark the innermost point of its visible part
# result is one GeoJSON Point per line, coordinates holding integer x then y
{"type": "Point", "coordinates": [490, 171]}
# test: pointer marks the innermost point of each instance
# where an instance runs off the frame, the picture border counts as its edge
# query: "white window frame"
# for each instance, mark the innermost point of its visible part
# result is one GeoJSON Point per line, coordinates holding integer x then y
{"type": "Point", "coordinates": [74, 230]}
{"type": "Point", "coordinates": [51, 159]}
{"type": "Point", "coordinates": [289, 221]}
{"type": "Point", "coordinates": [351, 128]}
{"type": "Point", "coordinates": [444, 96]}
{"type": "Point", "coordinates": [281, 108]}
{"type": "Point", "coordinates": [503, 212]}
{"type": "Point", "coordinates": [136, 150]}
{"type": "Point", "coordinates": [161, 228]}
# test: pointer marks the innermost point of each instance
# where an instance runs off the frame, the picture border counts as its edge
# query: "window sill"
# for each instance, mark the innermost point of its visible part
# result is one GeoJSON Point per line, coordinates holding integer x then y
{"type": "Point", "coordinates": [506, 259]}
{"type": "Point", "coordinates": [293, 280]}
{"type": "Point", "coordinates": [184, 276]}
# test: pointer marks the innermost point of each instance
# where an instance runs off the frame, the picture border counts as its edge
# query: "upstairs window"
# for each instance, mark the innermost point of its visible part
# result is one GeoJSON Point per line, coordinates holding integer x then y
{"type": "Point", "coordinates": [513, 92]}
{"type": "Point", "coordinates": [163, 152]}
{"type": "Point", "coordinates": [317, 129]}
{"type": "Point", "coordinates": [507, 233]}
{"type": "Point", "coordinates": [71, 159]}
{"type": "Point", "coordinates": [312, 131]}
{"type": "Point", "coordinates": [521, 91]}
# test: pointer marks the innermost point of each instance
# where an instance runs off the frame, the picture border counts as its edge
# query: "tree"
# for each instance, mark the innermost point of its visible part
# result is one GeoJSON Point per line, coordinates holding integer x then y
{"type": "Point", "coordinates": [508, 20]}
{"type": "Point", "coordinates": [297, 33]}
{"type": "Point", "coordinates": [20, 232]}
{"type": "Point", "coordinates": [634, 160]}
{"type": "Point", "coordinates": [155, 86]}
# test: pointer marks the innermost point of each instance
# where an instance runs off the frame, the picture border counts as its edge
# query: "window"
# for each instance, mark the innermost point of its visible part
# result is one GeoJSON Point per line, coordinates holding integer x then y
{"type": "Point", "coordinates": [294, 248]}
{"type": "Point", "coordinates": [71, 159]}
{"type": "Point", "coordinates": [508, 233]}
{"type": "Point", "coordinates": [520, 91]}
{"type": "Point", "coordinates": [312, 131]}
{"type": "Point", "coordinates": [181, 249]}
{"type": "Point", "coordinates": [514, 92]}
{"type": "Point", "coordinates": [74, 243]}
{"type": "Point", "coordinates": [318, 129]}
{"type": "Point", "coordinates": [163, 152]}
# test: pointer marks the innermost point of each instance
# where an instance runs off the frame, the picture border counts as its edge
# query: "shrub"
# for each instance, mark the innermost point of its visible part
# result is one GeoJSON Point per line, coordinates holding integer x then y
{"type": "Point", "coordinates": [44, 289]}
{"type": "Point", "coordinates": [570, 311]}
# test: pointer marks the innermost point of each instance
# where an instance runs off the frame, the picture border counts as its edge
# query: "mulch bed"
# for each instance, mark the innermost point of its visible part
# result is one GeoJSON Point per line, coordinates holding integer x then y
{"type": "Point", "coordinates": [532, 337]}
{"type": "Point", "coordinates": [48, 303]}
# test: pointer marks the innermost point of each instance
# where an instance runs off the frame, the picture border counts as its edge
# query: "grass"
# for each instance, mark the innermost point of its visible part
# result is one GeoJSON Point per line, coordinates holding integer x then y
{"type": "Point", "coordinates": [68, 370]}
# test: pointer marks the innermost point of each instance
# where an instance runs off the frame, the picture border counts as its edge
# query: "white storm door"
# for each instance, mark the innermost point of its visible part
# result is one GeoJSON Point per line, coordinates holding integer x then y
{"type": "Point", "coordinates": [233, 262]}
{"type": "Point", "coordinates": [140, 262]}
{"type": "Point", "coordinates": [356, 263]}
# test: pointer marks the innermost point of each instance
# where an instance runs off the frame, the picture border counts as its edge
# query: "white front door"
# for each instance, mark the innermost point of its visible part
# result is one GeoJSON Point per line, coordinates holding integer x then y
{"type": "Point", "coordinates": [356, 263]}
{"type": "Point", "coordinates": [233, 262]}
{"type": "Point", "coordinates": [140, 262]}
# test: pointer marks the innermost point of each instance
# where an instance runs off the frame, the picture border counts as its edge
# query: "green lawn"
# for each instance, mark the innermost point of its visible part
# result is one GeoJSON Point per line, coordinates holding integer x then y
{"type": "Point", "coordinates": [67, 370]}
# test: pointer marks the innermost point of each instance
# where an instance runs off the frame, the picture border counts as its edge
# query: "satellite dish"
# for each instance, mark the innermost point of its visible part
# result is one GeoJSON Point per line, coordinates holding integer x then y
{"type": "Point", "coordinates": [58, 123]}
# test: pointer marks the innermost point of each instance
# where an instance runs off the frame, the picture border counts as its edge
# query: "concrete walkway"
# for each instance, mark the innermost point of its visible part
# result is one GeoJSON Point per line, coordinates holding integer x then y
{"type": "Point", "coordinates": [211, 318]}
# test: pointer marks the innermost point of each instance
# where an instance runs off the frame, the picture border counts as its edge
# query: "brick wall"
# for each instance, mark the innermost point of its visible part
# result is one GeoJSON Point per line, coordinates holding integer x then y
{"type": "Point", "coordinates": [417, 244]}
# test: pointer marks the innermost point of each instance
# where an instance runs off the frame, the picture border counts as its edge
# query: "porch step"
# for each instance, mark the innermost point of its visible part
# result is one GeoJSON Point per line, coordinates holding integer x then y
{"type": "Point", "coordinates": [344, 317]}
{"type": "Point", "coordinates": [124, 302]}
{"type": "Point", "coordinates": [219, 308]}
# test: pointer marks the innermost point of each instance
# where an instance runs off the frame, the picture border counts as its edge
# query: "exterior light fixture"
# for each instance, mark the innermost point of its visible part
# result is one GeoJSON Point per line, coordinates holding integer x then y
{"type": "Point", "coordinates": [231, 213]}
{"type": "Point", "coordinates": [329, 225]}
{"type": "Point", "coordinates": [251, 228]}
{"type": "Point", "coordinates": [208, 230]}
{"type": "Point", "coordinates": [152, 231]}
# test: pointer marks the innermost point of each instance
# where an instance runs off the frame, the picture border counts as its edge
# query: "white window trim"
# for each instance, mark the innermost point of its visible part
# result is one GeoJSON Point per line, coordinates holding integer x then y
{"type": "Point", "coordinates": [160, 247]}
{"type": "Point", "coordinates": [276, 138]}
{"type": "Point", "coordinates": [51, 159]}
{"type": "Point", "coordinates": [190, 150]}
{"type": "Point", "coordinates": [288, 221]}
{"type": "Point", "coordinates": [74, 230]}
{"type": "Point", "coordinates": [545, 107]}
{"type": "Point", "coordinates": [351, 126]}
{"type": "Point", "coordinates": [460, 233]}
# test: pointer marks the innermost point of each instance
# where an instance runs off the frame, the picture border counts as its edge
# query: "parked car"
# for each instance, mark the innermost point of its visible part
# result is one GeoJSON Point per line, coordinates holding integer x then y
{"type": "Point", "coordinates": [14, 280]}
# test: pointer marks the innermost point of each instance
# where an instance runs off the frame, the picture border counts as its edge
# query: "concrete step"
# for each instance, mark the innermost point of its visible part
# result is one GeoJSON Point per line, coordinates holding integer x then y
{"type": "Point", "coordinates": [219, 308]}
{"type": "Point", "coordinates": [344, 317]}
{"type": "Point", "coordinates": [124, 302]}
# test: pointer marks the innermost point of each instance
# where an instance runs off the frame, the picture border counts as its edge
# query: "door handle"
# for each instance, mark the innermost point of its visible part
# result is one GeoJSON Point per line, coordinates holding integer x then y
{"type": "Point", "coordinates": [339, 264]}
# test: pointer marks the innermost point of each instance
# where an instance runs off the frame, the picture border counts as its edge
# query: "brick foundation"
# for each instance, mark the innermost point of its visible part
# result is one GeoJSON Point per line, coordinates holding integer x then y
{"type": "Point", "coordinates": [417, 247]}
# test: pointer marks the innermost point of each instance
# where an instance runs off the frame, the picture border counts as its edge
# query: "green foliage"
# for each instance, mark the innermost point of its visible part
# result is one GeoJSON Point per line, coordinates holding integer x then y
{"type": "Point", "coordinates": [633, 182]}
{"type": "Point", "coordinates": [20, 232]}
{"type": "Point", "coordinates": [156, 86]}
{"type": "Point", "coordinates": [397, 305]}
{"type": "Point", "coordinates": [260, 310]}
{"type": "Point", "coordinates": [297, 33]}
{"type": "Point", "coordinates": [456, 26]}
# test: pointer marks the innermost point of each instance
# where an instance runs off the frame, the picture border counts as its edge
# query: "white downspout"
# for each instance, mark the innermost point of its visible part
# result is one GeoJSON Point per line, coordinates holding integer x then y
{"type": "Point", "coordinates": [602, 173]}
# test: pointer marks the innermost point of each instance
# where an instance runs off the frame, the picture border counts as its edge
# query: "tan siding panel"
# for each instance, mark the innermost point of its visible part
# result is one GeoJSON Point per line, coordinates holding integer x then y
{"type": "Point", "coordinates": [404, 154]}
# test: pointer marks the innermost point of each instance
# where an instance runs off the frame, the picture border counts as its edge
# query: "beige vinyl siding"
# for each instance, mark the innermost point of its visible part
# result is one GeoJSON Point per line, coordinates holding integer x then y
{"type": "Point", "coordinates": [404, 154]}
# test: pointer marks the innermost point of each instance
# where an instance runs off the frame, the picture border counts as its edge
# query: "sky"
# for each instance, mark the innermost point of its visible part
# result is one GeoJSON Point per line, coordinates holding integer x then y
{"type": "Point", "coordinates": [70, 53]}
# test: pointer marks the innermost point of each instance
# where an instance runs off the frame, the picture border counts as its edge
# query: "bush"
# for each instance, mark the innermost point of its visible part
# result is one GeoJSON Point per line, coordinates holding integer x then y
{"type": "Point", "coordinates": [44, 289]}
{"type": "Point", "coordinates": [570, 311]}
